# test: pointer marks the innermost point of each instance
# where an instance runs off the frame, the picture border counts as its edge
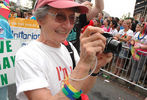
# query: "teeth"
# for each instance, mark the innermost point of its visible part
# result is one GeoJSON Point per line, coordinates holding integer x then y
{"type": "Point", "coordinates": [60, 32]}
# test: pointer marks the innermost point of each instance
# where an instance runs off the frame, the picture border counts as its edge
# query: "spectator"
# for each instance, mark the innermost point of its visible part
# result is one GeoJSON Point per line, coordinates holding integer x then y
{"type": "Point", "coordinates": [19, 13]}
{"type": "Point", "coordinates": [134, 23]}
{"type": "Point", "coordinates": [100, 17]}
{"type": "Point", "coordinates": [140, 44]}
{"type": "Point", "coordinates": [25, 15]}
{"type": "Point", "coordinates": [141, 20]}
{"type": "Point", "coordinates": [124, 35]}
{"type": "Point", "coordinates": [113, 26]}
{"type": "Point", "coordinates": [45, 63]}
{"type": "Point", "coordinates": [106, 26]}
{"type": "Point", "coordinates": [120, 25]}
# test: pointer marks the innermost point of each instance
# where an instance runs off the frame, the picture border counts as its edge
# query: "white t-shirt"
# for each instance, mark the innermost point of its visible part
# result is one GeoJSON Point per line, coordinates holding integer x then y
{"type": "Point", "coordinates": [42, 66]}
{"type": "Point", "coordinates": [113, 32]}
{"type": "Point", "coordinates": [143, 40]}
{"type": "Point", "coordinates": [128, 33]}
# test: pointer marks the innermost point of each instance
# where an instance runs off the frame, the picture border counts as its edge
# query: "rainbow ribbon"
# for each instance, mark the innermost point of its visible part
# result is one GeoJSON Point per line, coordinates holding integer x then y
{"type": "Point", "coordinates": [134, 53]}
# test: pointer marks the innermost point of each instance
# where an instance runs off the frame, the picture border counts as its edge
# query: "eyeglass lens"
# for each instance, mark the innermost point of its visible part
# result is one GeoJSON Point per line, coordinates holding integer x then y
{"type": "Point", "coordinates": [60, 17]}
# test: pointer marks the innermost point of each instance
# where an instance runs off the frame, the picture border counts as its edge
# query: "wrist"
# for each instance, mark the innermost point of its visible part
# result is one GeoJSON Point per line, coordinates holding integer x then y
{"type": "Point", "coordinates": [96, 72]}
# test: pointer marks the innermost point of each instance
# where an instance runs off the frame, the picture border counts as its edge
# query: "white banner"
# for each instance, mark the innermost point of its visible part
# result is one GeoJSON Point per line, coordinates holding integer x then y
{"type": "Point", "coordinates": [25, 34]}
{"type": "Point", "coordinates": [8, 49]}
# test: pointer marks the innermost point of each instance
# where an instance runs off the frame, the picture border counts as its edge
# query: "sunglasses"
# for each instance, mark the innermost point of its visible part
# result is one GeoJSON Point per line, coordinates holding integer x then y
{"type": "Point", "coordinates": [1, 1]}
{"type": "Point", "coordinates": [61, 17]}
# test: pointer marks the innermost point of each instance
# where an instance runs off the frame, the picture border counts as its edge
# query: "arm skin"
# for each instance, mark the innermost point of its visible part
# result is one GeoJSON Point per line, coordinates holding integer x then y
{"type": "Point", "coordinates": [103, 59]}
{"type": "Point", "coordinates": [92, 46]}
{"type": "Point", "coordinates": [117, 37]}
{"type": "Point", "coordinates": [94, 10]}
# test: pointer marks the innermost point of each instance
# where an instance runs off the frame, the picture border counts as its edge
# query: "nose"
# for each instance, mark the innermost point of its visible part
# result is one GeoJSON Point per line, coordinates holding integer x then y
{"type": "Point", "coordinates": [67, 23]}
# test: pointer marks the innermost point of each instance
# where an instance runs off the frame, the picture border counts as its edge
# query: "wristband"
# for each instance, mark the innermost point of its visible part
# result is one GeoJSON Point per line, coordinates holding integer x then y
{"type": "Point", "coordinates": [70, 91]}
{"type": "Point", "coordinates": [94, 74]}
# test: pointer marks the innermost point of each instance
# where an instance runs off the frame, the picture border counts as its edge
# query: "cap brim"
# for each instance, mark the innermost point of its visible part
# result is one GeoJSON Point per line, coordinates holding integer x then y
{"type": "Point", "coordinates": [68, 4]}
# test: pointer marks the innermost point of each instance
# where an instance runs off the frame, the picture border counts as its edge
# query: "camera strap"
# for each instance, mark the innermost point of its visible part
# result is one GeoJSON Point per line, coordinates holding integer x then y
{"type": "Point", "coordinates": [68, 46]}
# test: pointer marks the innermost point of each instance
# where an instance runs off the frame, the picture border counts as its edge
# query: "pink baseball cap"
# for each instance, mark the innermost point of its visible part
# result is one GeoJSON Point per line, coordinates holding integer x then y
{"type": "Point", "coordinates": [60, 4]}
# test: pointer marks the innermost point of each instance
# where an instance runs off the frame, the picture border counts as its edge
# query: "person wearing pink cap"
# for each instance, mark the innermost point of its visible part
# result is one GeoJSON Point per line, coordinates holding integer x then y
{"type": "Point", "coordinates": [44, 68]}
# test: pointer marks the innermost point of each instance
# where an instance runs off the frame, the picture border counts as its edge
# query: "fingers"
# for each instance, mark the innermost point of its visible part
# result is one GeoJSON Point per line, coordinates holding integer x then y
{"type": "Point", "coordinates": [93, 39]}
{"type": "Point", "coordinates": [87, 3]}
{"type": "Point", "coordinates": [104, 59]}
{"type": "Point", "coordinates": [91, 30]}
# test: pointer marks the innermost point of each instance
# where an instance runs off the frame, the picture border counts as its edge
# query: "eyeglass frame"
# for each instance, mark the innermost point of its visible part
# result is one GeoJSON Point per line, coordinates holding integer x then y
{"type": "Point", "coordinates": [57, 20]}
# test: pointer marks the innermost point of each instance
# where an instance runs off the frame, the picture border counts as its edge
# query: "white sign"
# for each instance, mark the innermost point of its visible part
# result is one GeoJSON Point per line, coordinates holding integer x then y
{"type": "Point", "coordinates": [8, 49]}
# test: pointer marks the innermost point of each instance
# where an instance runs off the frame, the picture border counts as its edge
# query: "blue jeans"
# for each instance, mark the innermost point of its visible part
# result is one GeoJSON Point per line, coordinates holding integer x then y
{"type": "Point", "coordinates": [4, 93]}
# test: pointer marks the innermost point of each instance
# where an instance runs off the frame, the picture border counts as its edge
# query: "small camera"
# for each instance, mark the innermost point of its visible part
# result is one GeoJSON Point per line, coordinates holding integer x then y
{"type": "Point", "coordinates": [112, 45]}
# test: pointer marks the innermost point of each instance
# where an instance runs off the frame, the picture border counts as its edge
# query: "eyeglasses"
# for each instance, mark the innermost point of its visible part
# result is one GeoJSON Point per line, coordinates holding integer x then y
{"type": "Point", "coordinates": [61, 17]}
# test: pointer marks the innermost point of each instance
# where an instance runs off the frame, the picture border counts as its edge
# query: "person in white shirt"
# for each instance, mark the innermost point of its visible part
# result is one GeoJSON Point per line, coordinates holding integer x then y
{"type": "Point", "coordinates": [125, 35]}
{"type": "Point", "coordinates": [113, 30]}
{"type": "Point", "coordinates": [44, 69]}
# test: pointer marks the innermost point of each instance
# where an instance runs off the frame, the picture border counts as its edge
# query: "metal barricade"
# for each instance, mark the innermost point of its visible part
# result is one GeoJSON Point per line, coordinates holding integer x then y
{"type": "Point", "coordinates": [124, 67]}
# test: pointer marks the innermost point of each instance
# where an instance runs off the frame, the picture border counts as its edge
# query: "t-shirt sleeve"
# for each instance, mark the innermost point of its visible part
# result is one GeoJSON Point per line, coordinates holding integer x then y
{"type": "Point", "coordinates": [29, 76]}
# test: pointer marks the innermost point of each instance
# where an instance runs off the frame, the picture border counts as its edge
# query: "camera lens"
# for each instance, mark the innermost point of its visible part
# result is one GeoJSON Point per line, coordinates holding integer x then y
{"type": "Point", "coordinates": [112, 45]}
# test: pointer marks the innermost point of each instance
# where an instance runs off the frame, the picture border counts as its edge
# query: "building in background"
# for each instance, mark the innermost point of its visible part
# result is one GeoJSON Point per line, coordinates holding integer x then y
{"type": "Point", "coordinates": [141, 8]}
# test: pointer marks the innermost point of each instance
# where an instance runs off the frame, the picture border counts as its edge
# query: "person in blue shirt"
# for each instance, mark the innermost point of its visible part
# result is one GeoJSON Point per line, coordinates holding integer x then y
{"type": "Point", "coordinates": [5, 30]}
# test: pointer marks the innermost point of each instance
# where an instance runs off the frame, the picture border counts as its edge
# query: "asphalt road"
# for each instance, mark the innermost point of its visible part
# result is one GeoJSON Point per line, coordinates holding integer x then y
{"type": "Point", "coordinates": [103, 90]}
{"type": "Point", "coordinates": [111, 90]}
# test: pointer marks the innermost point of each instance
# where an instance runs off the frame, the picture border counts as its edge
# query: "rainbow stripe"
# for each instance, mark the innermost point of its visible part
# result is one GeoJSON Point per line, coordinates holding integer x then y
{"type": "Point", "coordinates": [134, 53]}
{"type": "Point", "coordinates": [4, 11]}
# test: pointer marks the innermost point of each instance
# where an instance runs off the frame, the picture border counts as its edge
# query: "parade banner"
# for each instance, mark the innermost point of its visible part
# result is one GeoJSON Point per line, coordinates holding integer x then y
{"type": "Point", "coordinates": [21, 22]}
{"type": "Point", "coordinates": [23, 30]}
{"type": "Point", "coordinates": [8, 49]}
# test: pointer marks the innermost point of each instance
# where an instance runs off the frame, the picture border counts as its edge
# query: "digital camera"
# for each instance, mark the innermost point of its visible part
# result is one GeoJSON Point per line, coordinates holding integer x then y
{"type": "Point", "coordinates": [112, 45]}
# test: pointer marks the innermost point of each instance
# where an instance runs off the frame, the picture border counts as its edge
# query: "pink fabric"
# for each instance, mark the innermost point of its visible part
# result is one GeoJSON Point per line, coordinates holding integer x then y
{"type": "Point", "coordinates": [7, 1]}
{"type": "Point", "coordinates": [144, 50]}
{"type": "Point", "coordinates": [4, 12]}
{"type": "Point", "coordinates": [105, 28]}
{"type": "Point", "coordinates": [61, 4]}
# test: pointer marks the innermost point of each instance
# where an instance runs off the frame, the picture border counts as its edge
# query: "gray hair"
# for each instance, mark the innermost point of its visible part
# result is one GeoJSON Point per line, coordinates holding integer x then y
{"type": "Point", "coordinates": [41, 12]}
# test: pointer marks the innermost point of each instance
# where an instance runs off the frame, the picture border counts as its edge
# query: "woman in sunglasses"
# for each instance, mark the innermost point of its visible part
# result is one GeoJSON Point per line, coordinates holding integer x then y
{"type": "Point", "coordinates": [44, 69]}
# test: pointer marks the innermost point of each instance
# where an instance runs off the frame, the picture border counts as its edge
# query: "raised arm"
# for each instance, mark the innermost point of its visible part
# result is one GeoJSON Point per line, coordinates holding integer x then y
{"type": "Point", "coordinates": [95, 9]}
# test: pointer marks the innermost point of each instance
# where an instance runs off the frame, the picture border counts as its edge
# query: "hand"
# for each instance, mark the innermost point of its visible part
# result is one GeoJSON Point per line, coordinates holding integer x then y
{"type": "Point", "coordinates": [92, 44]}
{"type": "Point", "coordinates": [116, 38]}
{"type": "Point", "coordinates": [103, 59]}
{"type": "Point", "coordinates": [136, 47]}
{"type": "Point", "coordinates": [132, 42]}
{"type": "Point", "coordinates": [88, 4]}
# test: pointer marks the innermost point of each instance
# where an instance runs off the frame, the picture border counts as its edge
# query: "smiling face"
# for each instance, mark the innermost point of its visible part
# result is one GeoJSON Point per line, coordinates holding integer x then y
{"type": "Point", "coordinates": [54, 31]}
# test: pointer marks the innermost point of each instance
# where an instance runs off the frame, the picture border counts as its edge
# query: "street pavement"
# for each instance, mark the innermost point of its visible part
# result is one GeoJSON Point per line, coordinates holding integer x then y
{"type": "Point", "coordinates": [111, 90]}
{"type": "Point", "coordinates": [103, 90]}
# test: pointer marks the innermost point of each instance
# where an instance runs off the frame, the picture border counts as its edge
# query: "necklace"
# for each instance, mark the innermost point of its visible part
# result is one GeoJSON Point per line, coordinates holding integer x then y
{"type": "Point", "coordinates": [143, 34]}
